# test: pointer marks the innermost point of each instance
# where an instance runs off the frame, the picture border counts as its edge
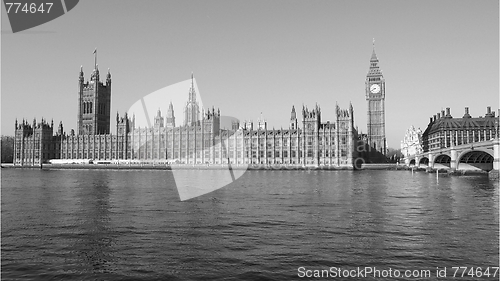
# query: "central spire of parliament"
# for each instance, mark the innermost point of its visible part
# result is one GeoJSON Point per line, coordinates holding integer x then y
{"type": "Point", "coordinates": [192, 109]}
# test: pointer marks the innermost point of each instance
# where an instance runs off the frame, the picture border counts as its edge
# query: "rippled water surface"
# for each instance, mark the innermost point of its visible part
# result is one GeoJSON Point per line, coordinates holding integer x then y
{"type": "Point", "coordinates": [131, 225]}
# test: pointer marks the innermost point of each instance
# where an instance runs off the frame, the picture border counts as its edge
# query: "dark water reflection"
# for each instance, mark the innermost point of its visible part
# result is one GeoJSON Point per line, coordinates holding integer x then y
{"type": "Point", "coordinates": [130, 225]}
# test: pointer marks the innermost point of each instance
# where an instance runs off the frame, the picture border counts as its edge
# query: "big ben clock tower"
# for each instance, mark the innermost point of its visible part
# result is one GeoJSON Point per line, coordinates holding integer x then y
{"type": "Point", "coordinates": [375, 95]}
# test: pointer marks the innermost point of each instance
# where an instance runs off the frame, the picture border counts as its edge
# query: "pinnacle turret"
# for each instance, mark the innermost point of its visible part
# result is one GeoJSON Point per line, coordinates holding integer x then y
{"type": "Point", "coordinates": [192, 92]}
{"type": "Point", "coordinates": [81, 78]}
{"type": "Point", "coordinates": [170, 118]}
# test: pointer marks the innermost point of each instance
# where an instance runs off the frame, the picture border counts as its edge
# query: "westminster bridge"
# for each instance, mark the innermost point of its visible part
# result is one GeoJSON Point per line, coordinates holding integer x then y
{"type": "Point", "coordinates": [483, 155]}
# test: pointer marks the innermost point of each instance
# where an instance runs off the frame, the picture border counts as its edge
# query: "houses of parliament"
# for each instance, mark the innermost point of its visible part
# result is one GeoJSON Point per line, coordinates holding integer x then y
{"type": "Point", "coordinates": [201, 139]}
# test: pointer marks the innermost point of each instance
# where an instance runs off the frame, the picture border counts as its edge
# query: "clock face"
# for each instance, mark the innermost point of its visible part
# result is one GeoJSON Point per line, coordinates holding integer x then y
{"type": "Point", "coordinates": [375, 88]}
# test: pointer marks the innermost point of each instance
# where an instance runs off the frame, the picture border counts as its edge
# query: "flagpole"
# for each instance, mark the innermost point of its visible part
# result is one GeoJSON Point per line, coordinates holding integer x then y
{"type": "Point", "coordinates": [95, 58]}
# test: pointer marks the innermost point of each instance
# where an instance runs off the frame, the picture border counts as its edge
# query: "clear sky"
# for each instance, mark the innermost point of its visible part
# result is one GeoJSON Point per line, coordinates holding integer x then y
{"type": "Point", "coordinates": [254, 56]}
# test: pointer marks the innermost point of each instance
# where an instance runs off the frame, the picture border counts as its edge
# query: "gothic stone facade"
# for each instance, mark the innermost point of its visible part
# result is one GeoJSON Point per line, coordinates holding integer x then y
{"type": "Point", "coordinates": [316, 143]}
{"type": "Point", "coordinates": [94, 104]}
{"type": "Point", "coordinates": [196, 142]}
{"type": "Point", "coordinates": [35, 143]}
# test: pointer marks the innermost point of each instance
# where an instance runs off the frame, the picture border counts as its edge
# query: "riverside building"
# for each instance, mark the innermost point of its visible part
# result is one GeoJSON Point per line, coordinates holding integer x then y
{"type": "Point", "coordinates": [200, 140]}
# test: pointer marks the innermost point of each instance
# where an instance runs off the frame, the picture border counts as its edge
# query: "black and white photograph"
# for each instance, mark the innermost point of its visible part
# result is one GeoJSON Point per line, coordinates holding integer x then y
{"type": "Point", "coordinates": [250, 140]}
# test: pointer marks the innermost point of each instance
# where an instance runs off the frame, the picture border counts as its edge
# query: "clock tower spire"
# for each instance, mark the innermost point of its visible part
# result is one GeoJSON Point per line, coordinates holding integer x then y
{"type": "Point", "coordinates": [375, 96]}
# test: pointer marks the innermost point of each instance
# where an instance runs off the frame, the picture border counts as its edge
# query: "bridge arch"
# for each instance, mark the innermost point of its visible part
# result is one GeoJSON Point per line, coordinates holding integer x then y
{"type": "Point", "coordinates": [412, 162]}
{"type": "Point", "coordinates": [475, 159]}
{"type": "Point", "coordinates": [424, 161]}
{"type": "Point", "coordinates": [442, 159]}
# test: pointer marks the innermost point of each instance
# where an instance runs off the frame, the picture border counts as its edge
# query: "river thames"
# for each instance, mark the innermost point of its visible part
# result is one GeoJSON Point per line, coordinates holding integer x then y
{"type": "Point", "coordinates": [266, 225]}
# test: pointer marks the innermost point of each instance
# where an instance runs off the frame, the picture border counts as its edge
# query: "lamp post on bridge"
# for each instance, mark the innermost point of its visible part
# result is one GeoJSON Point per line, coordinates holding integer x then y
{"type": "Point", "coordinates": [496, 148]}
